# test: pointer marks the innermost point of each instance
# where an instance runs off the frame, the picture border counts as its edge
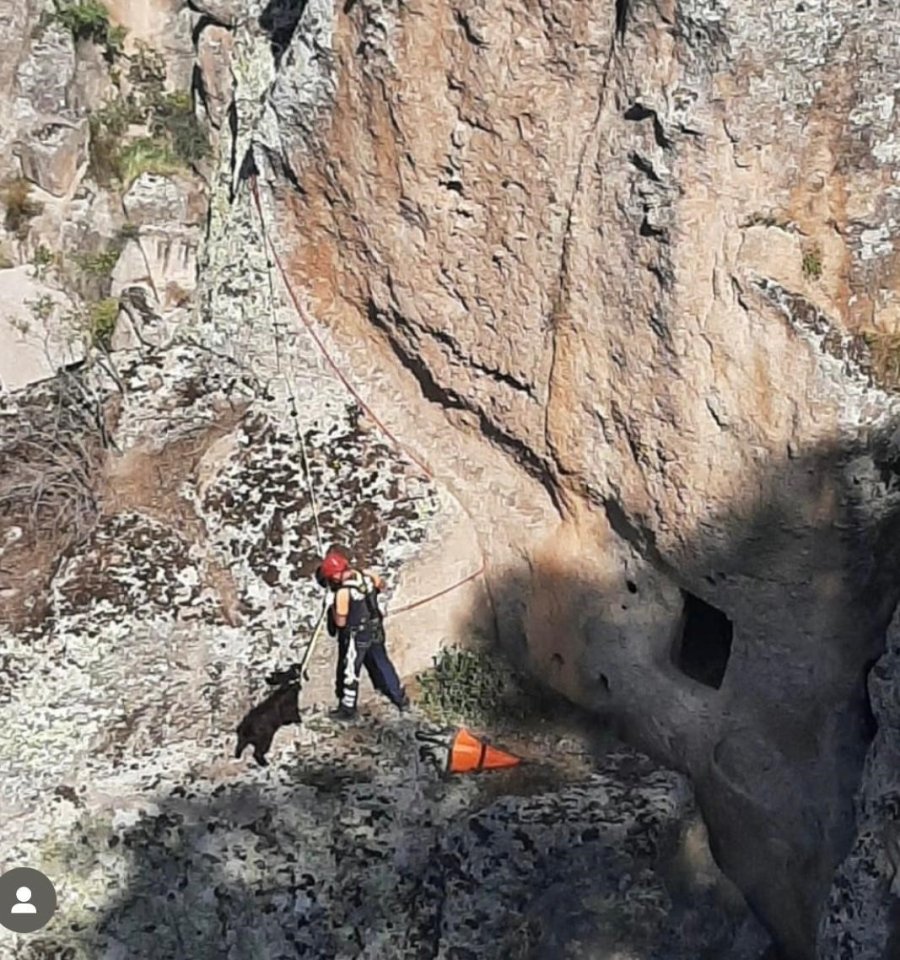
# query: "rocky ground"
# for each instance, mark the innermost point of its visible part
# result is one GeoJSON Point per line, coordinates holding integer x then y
{"type": "Point", "coordinates": [122, 688]}
{"type": "Point", "coordinates": [350, 845]}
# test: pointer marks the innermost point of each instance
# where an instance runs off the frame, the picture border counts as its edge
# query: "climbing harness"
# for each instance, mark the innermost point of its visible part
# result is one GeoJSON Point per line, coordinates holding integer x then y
{"type": "Point", "coordinates": [362, 589]}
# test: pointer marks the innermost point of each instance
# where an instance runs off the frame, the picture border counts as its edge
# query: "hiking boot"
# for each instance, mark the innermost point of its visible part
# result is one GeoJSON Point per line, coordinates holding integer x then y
{"type": "Point", "coordinates": [343, 713]}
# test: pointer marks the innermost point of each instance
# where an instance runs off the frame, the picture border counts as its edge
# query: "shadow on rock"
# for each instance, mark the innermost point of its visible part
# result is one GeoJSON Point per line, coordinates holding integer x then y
{"type": "Point", "coordinates": [279, 20]}
{"type": "Point", "coordinates": [352, 850]}
{"type": "Point", "coordinates": [737, 655]}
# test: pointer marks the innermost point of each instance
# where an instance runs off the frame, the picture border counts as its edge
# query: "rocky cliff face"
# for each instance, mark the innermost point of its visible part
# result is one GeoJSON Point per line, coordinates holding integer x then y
{"type": "Point", "coordinates": [645, 250]}
{"type": "Point", "coordinates": [621, 276]}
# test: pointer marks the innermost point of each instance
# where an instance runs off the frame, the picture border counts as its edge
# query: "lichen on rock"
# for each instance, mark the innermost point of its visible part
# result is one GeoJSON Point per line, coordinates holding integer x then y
{"type": "Point", "coordinates": [622, 277]}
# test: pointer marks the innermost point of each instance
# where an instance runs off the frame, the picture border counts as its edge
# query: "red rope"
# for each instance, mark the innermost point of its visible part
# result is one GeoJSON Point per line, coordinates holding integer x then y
{"type": "Point", "coordinates": [440, 593]}
{"type": "Point", "coordinates": [353, 392]}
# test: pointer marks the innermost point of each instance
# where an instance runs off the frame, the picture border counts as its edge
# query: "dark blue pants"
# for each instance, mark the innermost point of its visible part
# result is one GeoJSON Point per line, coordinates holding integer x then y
{"type": "Point", "coordinates": [360, 651]}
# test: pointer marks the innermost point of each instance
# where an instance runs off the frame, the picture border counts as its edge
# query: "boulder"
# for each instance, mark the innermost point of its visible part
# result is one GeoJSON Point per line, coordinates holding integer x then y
{"type": "Point", "coordinates": [226, 12]}
{"type": "Point", "coordinates": [157, 200]}
{"type": "Point", "coordinates": [90, 220]}
{"type": "Point", "coordinates": [131, 268]}
{"type": "Point", "coordinates": [171, 257]}
{"type": "Point", "coordinates": [163, 263]}
{"type": "Point", "coordinates": [53, 155]}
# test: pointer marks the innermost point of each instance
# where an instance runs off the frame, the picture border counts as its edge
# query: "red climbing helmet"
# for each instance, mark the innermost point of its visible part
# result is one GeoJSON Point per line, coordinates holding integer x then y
{"type": "Point", "coordinates": [334, 564]}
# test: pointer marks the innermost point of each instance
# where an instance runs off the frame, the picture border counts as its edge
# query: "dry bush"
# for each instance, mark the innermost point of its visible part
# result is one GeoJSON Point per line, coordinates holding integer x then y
{"type": "Point", "coordinates": [51, 462]}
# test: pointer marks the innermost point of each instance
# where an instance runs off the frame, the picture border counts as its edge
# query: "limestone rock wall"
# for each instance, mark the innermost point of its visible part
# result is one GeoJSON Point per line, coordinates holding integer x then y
{"type": "Point", "coordinates": [351, 847]}
{"type": "Point", "coordinates": [645, 251]}
{"type": "Point", "coordinates": [621, 274]}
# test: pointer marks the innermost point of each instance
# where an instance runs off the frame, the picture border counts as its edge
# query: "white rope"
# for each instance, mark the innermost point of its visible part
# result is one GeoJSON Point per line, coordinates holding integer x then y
{"type": "Point", "coordinates": [288, 379]}
{"type": "Point", "coordinates": [304, 453]}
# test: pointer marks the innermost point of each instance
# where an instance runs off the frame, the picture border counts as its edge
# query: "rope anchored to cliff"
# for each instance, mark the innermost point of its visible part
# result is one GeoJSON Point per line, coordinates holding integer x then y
{"type": "Point", "coordinates": [342, 377]}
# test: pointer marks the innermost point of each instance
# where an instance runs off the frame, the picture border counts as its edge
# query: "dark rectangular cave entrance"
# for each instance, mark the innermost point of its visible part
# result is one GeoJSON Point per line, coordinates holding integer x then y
{"type": "Point", "coordinates": [703, 645]}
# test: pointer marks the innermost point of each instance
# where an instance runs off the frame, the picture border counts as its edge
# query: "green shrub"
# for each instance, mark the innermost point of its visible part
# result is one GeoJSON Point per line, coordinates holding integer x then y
{"type": "Point", "coordinates": [113, 159]}
{"type": "Point", "coordinates": [43, 257]}
{"type": "Point", "coordinates": [116, 116]}
{"type": "Point", "coordinates": [89, 20]}
{"type": "Point", "coordinates": [101, 322]}
{"type": "Point", "coordinates": [176, 138]}
{"type": "Point", "coordinates": [147, 156]}
{"type": "Point", "coordinates": [108, 126]}
{"type": "Point", "coordinates": [470, 686]}
{"type": "Point", "coordinates": [173, 118]}
{"type": "Point", "coordinates": [100, 264]}
{"type": "Point", "coordinates": [20, 208]}
{"type": "Point", "coordinates": [812, 263]}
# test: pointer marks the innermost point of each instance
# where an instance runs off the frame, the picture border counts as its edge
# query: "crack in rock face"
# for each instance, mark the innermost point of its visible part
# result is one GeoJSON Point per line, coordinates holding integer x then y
{"type": "Point", "coordinates": [859, 919]}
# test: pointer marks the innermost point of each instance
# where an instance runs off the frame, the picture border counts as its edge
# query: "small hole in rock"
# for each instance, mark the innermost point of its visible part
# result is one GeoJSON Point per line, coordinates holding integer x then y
{"type": "Point", "coordinates": [557, 660]}
{"type": "Point", "coordinates": [704, 642]}
{"type": "Point", "coordinates": [632, 586]}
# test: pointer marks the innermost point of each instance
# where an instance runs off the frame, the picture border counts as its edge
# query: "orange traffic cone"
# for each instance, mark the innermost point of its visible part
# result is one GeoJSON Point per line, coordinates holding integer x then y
{"type": "Point", "coordinates": [468, 754]}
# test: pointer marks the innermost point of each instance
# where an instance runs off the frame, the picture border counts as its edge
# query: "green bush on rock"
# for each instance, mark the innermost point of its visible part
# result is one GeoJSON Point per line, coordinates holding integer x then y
{"type": "Point", "coordinates": [470, 686]}
{"type": "Point", "coordinates": [89, 20]}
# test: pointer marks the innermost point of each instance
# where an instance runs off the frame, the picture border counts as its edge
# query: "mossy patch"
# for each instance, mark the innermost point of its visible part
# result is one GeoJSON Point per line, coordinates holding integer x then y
{"type": "Point", "coordinates": [173, 121]}
{"type": "Point", "coordinates": [147, 156]}
{"type": "Point", "coordinates": [102, 317]}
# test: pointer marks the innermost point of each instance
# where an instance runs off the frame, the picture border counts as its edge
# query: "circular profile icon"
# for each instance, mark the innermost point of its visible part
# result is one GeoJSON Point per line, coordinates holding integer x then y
{"type": "Point", "coordinates": [27, 900]}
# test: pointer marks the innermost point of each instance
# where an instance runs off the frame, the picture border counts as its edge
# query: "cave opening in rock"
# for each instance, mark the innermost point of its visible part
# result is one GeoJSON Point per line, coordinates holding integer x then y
{"type": "Point", "coordinates": [703, 644]}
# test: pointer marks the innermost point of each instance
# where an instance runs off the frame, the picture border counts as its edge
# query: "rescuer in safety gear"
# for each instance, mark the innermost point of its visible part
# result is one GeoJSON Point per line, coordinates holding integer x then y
{"type": "Point", "coordinates": [355, 618]}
